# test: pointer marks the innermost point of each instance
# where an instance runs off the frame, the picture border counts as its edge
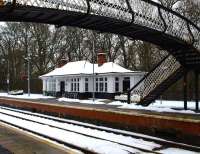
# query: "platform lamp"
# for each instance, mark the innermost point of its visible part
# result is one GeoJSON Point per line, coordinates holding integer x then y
{"type": "Point", "coordinates": [86, 41]}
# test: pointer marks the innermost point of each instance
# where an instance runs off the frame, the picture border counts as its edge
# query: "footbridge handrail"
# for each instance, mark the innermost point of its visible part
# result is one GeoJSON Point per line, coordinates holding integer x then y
{"type": "Point", "coordinates": [146, 75]}
{"type": "Point", "coordinates": [164, 69]}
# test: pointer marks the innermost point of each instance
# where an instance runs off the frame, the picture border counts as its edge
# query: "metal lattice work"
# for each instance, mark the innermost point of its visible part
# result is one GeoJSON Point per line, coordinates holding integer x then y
{"type": "Point", "coordinates": [158, 75]}
{"type": "Point", "coordinates": [72, 5]}
{"type": "Point", "coordinates": [140, 12]}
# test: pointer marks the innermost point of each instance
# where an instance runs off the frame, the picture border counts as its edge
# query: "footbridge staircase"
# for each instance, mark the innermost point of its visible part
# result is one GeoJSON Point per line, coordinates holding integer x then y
{"type": "Point", "coordinates": [168, 71]}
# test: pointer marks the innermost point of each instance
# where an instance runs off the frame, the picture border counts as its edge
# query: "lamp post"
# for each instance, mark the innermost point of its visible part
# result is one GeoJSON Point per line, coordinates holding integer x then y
{"type": "Point", "coordinates": [28, 58]}
{"type": "Point", "coordinates": [28, 74]}
{"type": "Point", "coordinates": [93, 75]}
{"type": "Point", "coordinates": [8, 78]}
{"type": "Point", "coordinates": [86, 40]}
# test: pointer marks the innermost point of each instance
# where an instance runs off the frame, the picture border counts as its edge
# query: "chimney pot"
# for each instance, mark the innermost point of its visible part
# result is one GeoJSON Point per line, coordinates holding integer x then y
{"type": "Point", "coordinates": [62, 62]}
{"type": "Point", "coordinates": [101, 57]}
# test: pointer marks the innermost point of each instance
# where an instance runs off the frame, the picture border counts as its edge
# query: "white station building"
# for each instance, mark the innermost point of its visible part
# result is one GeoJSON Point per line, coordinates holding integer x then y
{"type": "Point", "coordinates": [75, 79]}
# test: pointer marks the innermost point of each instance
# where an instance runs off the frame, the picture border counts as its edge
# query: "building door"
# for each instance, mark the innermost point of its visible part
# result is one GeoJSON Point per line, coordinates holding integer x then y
{"type": "Point", "coordinates": [126, 84]}
{"type": "Point", "coordinates": [62, 88]}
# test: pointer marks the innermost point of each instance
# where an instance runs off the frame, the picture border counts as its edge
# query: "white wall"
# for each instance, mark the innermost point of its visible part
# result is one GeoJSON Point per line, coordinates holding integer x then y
{"type": "Point", "coordinates": [110, 82]}
{"type": "Point", "coordinates": [47, 85]}
{"type": "Point", "coordinates": [57, 85]}
{"type": "Point", "coordinates": [132, 81]}
{"type": "Point", "coordinates": [90, 86]}
{"type": "Point", "coordinates": [137, 79]}
{"type": "Point", "coordinates": [43, 85]}
{"type": "Point", "coordinates": [82, 84]}
{"type": "Point", "coordinates": [67, 84]}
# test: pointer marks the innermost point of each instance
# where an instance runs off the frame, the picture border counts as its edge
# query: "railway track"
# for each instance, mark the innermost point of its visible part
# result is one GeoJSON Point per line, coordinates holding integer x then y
{"type": "Point", "coordinates": [59, 123]}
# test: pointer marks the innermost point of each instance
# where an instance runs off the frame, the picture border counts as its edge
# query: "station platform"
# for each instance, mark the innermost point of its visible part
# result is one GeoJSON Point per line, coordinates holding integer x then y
{"type": "Point", "coordinates": [15, 141]}
{"type": "Point", "coordinates": [114, 108]}
{"type": "Point", "coordinates": [174, 126]}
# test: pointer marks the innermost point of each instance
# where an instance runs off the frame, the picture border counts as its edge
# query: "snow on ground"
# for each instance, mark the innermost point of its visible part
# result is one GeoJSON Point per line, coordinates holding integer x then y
{"type": "Point", "coordinates": [92, 132]}
{"type": "Point", "coordinates": [158, 106]}
{"type": "Point", "coordinates": [96, 101]}
{"type": "Point", "coordinates": [163, 106]}
{"type": "Point", "coordinates": [25, 96]}
{"type": "Point", "coordinates": [117, 103]}
{"type": "Point", "coordinates": [176, 151]}
{"type": "Point", "coordinates": [69, 137]}
{"type": "Point", "coordinates": [97, 145]}
{"type": "Point", "coordinates": [88, 124]}
{"type": "Point", "coordinates": [173, 104]}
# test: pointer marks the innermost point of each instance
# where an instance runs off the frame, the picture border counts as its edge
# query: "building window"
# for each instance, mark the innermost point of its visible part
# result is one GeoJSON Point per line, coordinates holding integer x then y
{"type": "Point", "coordinates": [126, 84]}
{"type": "Point", "coordinates": [97, 84]}
{"type": "Point", "coordinates": [49, 84]}
{"type": "Point", "coordinates": [101, 85]}
{"type": "Point", "coordinates": [78, 86]}
{"type": "Point", "coordinates": [66, 89]}
{"type": "Point", "coordinates": [106, 85]}
{"type": "Point", "coordinates": [75, 85]}
{"type": "Point", "coordinates": [54, 85]}
{"type": "Point", "coordinates": [116, 84]}
{"type": "Point", "coordinates": [72, 86]}
{"type": "Point", "coordinates": [86, 84]}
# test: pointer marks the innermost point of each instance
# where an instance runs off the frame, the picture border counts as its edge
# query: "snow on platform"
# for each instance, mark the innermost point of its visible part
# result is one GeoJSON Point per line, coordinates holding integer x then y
{"type": "Point", "coordinates": [25, 96]}
{"type": "Point", "coordinates": [96, 101]}
{"type": "Point", "coordinates": [163, 106]}
{"type": "Point", "coordinates": [134, 98]}
{"type": "Point", "coordinates": [157, 106]}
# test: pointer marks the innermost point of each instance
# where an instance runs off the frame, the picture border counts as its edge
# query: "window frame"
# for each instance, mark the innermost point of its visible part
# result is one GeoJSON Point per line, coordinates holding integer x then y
{"type": "Point", "coordinates": [86, 85]}
{"type": "Point", "coordinates": [116, 84]}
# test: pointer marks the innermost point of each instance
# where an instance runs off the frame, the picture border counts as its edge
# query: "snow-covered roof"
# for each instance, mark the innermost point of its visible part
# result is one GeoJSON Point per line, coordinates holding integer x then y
{"type": "Point", "coordinates": [85, 67]}
{"type": "Point", "coordinates": [111, 67]}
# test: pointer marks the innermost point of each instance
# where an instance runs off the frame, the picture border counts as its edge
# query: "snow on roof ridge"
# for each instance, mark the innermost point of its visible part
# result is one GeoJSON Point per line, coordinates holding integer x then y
{"type": "Point", "coordinates": [111, 67]}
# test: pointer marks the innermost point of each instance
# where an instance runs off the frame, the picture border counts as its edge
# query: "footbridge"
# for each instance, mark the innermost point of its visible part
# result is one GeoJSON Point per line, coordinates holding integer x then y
{"type": "Point", "coordinates": [137, 19]}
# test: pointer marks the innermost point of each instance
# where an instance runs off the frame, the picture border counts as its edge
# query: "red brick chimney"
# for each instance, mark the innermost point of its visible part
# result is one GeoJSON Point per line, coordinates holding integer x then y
{"type": "Point", "coordinates": [62, 62]}
{"type": "Point", "coordinates": [101, 57]}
